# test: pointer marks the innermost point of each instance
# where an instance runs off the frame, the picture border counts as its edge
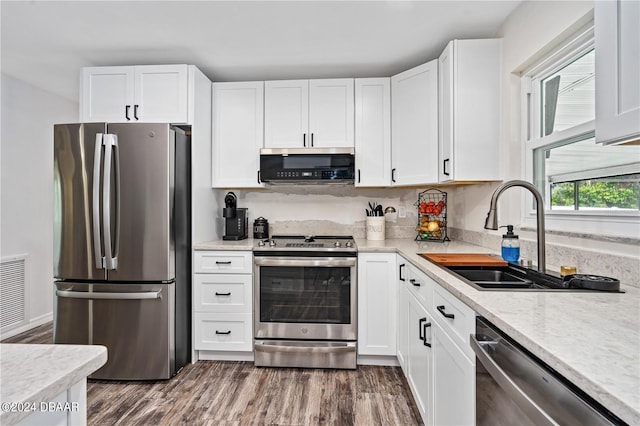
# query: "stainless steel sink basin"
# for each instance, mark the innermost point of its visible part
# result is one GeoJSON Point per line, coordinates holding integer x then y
{"type": "Point", "coordinates": [508, 278]}
{"type": "Point", "coordinates": [493, 278]}
{"type": "Point", "coordinates": [517, 278]}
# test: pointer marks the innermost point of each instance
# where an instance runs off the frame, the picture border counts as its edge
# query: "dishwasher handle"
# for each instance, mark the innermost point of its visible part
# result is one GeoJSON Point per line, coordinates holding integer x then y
{"type": "Point", "coordinates": [528, 405]}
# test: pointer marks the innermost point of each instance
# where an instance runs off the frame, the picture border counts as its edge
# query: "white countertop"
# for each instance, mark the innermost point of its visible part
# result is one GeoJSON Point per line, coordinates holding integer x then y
{"type": "Point", "coordinates": [33, 373]}
{"type": "Point", "coordinates": [592, 339]}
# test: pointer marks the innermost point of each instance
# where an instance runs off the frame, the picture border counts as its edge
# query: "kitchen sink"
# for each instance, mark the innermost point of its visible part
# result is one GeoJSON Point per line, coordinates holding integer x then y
{"type": "Point", "coordinates": [516, 278]}
{"type": "Point", "coordinates": [493, 278]}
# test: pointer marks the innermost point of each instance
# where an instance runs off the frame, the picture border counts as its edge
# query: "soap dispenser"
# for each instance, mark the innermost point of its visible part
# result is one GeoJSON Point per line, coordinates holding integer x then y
{"type": "Point", "coordinates": [510, 245]}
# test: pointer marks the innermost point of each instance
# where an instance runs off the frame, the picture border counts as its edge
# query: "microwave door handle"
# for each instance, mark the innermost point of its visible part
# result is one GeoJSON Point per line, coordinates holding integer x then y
{"type": "Point", "coordinates": [97, 240]}
{"type": "Point", "coordinates": [524, 401]}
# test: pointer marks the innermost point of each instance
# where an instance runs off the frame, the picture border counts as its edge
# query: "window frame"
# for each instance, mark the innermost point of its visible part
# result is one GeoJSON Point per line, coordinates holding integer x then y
{"type": "Point", "coordinates": [619, 223]}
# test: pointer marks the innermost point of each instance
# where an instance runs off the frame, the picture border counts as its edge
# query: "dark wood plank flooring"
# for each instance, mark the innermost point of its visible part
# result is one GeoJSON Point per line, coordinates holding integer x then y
{"type": "Point", "coordinates": [237, 393]}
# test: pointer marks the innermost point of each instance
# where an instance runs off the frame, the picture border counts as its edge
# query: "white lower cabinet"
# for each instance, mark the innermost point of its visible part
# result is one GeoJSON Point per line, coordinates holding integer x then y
{"type": "Point", "coordinates": [454, 378]}
{"type": "Point", "coordinates": [376, 304]}
{"type": "Point", "coordinates": [433, 348]}
{"type": "Point", "coordinates": [222, 304]}
{"type": "Point", "coordinates": [420, 358]}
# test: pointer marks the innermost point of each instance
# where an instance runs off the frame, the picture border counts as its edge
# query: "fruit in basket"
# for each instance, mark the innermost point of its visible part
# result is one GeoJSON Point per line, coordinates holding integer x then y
{"type": "Point", "coordinates": [433, 226]}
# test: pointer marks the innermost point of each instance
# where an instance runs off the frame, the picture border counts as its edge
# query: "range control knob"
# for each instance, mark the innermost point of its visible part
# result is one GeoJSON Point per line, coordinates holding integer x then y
{"type": "Point", "coordinates": [272, 243]}
{"type": "Point", "coordinates": [261, 243]}
{"type": "Point", "coordinates": [337, 244]}
{"type": "Point", "coordinates": [349, 244]}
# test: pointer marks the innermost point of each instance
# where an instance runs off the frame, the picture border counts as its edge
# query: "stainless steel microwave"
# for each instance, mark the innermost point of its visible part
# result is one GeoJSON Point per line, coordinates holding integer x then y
{"type": "Point", "coordinates": [307, 165]}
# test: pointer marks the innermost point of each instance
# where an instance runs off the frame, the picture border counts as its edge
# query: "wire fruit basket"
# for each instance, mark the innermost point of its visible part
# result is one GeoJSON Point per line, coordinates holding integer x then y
{"type": "Point", "coordinates": [432, 216]}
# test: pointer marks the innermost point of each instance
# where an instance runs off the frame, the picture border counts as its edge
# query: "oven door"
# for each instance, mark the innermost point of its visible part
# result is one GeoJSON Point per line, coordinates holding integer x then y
{"type": "Point", "coordinates": [305, 298]}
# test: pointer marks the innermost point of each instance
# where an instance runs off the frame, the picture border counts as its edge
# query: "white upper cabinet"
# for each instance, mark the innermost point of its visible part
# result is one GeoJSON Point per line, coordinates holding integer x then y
{"type": "Point", "coordinates": [617, 44]}
{"type": "Point", "coordinates": [470, 110]}
{"type": "Point", "coordinates": [145, 93]}
{"type": "Point", "coordinates": [414, 132]}
{"type": "Point", "coordinates": [286, 113]}
{"type": "Point", "coordinates": [373, 131]}
{"type": "Point", "coordinates": [237, 134]}
{"type": "Point", "coordinates": [308, 113]}
{"type": "Point", "coordinates": [331, 113]}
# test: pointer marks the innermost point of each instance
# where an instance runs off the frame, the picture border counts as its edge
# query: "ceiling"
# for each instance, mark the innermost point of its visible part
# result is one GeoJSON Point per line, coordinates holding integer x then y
{"type": "Point", "coordinates": [44, 43]}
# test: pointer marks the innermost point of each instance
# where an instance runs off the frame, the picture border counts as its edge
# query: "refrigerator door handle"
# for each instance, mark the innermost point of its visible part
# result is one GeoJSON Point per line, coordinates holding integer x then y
{"type": "Point", "coordinates": [97, 161]}
{"type": "Point", "coordinates": [116, 171]}
{"type": "Point", "coordinates": [119, 296]}
{"type": "Point", "coordinates": [109, 141]}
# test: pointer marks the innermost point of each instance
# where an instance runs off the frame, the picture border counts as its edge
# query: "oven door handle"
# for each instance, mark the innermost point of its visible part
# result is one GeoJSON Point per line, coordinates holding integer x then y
{"type": "Point", "coordinates": [305, 261]}
{"type": "Point", "coordinates": [519, 396]}
{"type": "Point", "coordinates": [348, 347]}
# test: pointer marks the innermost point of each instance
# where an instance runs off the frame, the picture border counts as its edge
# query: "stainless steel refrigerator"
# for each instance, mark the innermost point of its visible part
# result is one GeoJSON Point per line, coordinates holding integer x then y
{"type": "Point", "coordinates": [122, 245]}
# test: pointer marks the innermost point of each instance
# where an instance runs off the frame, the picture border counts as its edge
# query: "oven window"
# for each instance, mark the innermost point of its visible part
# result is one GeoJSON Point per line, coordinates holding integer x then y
{"type": "Point", "coordinates": [305, 294]}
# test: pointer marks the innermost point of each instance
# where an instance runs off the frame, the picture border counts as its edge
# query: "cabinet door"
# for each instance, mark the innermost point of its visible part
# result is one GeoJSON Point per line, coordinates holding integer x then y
{"type": "Point", "coordinates": [414, 134]}
{"type": "Point", "coordinates": [420, 359]}
{"type": "Point", "coordinates": [237, 134]}
{"type": "Point", "coordinates": [331, 113]}
{"type": "Point", "coordinates": [617, 44]}
{"type": "Point", "coordinates": [453, 382]}
{"type": "Point", "coordinates": [286, 114]}
{"type": "Point", "coordinates": [402, 350]}
{"type": "Point", "coordinates": [445, 113]}
{"type": "Point", "coordinates": [377, 304]}
{"type": "Point", "coordinates": [469, 110]}
{"type": "Point", "coordinates": [106, 93]}
{"type": "Point", "coordinates": [373, 131]}
{"type": "Point", "coordinates": [161, 94]}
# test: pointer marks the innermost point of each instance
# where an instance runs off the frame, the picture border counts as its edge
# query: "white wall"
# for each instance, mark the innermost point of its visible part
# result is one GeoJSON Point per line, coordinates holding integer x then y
{"type": "Point", "coordinates": [26, 185]}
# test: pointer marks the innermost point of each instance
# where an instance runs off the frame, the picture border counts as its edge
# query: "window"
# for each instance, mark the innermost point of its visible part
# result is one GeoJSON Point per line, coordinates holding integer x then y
{"type": "Point", "coordinates": [578, 178]}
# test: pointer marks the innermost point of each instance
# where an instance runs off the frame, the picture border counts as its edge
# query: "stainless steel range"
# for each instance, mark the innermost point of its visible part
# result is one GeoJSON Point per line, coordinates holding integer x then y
{"type": "Point", "coordinates": [305, 302]}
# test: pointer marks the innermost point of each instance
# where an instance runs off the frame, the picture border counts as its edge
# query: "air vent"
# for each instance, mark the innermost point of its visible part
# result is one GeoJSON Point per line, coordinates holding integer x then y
{"type": "Point", "coordinates": [12, 291]}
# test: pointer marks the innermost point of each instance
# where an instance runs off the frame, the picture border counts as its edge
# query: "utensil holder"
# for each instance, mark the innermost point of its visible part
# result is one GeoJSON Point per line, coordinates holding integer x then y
{"type": "Point", "coordinates": [375, 228]}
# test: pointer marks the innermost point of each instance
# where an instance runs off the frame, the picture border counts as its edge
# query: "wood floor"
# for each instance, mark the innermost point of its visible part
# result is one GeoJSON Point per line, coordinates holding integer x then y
{"type": "Point", "coordinates": [237, 393]}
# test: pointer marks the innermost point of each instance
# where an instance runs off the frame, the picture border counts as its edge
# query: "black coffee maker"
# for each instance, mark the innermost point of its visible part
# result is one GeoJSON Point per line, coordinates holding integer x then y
{"type": "Point", "coordinates": [236, 220]}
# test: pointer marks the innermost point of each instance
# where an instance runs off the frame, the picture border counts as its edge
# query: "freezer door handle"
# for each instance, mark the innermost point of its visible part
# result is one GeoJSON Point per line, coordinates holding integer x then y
{"type": "Point", "coordinates": [97, 161]}
{"type": "Point", "coordinates": [110, 143]}
{"type": "Point", "coordinates": [98, 295]}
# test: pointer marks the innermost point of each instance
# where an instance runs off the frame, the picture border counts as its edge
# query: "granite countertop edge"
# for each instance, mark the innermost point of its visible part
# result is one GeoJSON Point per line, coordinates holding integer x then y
{"type": "Point", "coordinates": [35, 373]}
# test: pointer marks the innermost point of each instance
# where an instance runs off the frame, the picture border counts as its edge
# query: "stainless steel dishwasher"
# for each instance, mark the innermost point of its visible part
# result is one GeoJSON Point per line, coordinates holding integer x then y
{"type": "Point", "coordinates": [513, 387]}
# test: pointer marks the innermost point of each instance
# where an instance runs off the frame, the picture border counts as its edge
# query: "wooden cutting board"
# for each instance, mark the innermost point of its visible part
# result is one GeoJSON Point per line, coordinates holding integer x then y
{"type": "Point", "coordinates": [464, 259]}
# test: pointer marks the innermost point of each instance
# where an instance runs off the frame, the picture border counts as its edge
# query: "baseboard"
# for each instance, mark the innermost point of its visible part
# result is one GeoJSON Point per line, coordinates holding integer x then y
{"type": "Point", "coordinates": [33, 323]}
{"type": "Point", "coordinates": [383, 360]}
{"type": "Point", "coordinates": [224, 356]}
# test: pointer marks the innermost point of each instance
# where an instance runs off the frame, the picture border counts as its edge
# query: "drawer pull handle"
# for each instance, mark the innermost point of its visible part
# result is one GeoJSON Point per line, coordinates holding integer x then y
{"type": "Point", "coordinates": [446, 315]}
{"type": "Point", "coordinates": [414, 282]}
{"type": "Point", "coordinates": [218, 262]}
{"type": "Point", "coordinates": [420, 329]}
{"type": "Point", "coordinates": [223, 332]}
{"type": "Point", "coordinates": [223, 294]}
{"type": "Point", "coordinates": [401, 278]}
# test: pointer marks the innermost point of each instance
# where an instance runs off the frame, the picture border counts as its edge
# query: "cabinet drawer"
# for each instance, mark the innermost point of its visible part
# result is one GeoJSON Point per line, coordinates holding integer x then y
{"type": "Point", "coordinates": [222, 293]}
{"type": "Point", "coordinates": [223, 332]}
{"type": "Point", "coordinates": [419, 285]}
{"type": "Point", "coordinates": [226, 262]}
{"type": "Point", "coordinates": [456, 319]}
